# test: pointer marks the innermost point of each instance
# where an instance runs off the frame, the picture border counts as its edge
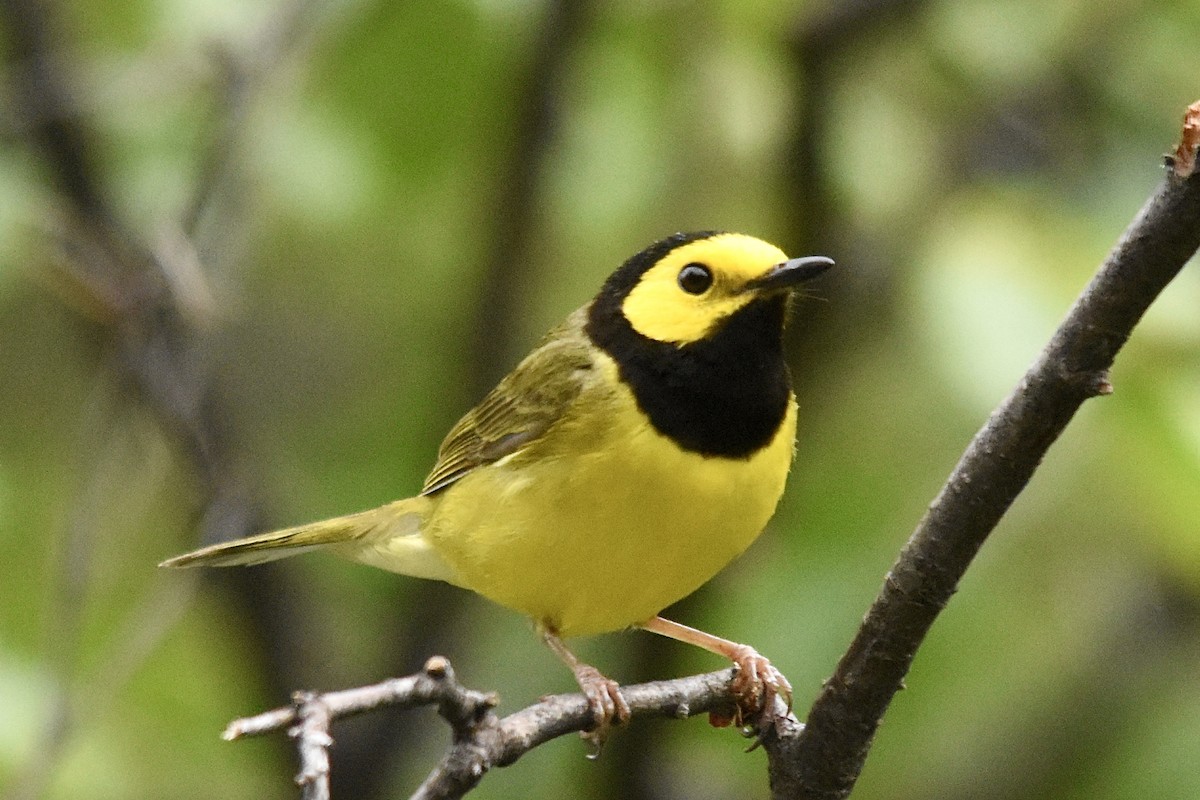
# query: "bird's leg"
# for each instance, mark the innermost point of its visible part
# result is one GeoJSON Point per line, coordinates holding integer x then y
{"type": "Point", "coordinates": [603, 694]}
{"type": "Point", "coordinates": [756, 684]}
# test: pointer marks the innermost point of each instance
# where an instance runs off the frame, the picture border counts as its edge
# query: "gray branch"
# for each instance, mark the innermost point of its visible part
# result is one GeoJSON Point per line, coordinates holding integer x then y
{"type": "Point", "coordinates": [482, 740]}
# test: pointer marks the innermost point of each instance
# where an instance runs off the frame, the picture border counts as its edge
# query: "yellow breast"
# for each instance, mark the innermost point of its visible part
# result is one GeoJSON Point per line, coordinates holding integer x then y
{"type": "Point", "coordinates": [601, 525]}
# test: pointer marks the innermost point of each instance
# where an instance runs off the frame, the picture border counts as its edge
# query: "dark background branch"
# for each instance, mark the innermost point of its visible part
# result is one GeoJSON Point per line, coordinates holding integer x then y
{"type": "Point", "coordinates": [158, 355]}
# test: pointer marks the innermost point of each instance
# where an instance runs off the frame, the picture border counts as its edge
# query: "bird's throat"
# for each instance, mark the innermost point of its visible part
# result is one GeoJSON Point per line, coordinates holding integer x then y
{"type": "Point", "coordinates": [725, 395]}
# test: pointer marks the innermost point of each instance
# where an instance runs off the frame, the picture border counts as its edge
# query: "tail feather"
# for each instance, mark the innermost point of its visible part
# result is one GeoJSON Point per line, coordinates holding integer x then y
{"type": "Point", "coordinates": [365, 526]}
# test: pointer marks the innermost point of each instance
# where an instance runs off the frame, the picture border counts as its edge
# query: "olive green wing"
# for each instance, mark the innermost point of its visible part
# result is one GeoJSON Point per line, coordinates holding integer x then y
{"type": "Point", "coordinates": [522, 407]}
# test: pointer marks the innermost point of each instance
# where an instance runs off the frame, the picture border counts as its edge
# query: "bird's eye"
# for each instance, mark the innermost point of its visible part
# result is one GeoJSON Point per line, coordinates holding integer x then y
{"type": "Point", "coordinates": [695, 278]}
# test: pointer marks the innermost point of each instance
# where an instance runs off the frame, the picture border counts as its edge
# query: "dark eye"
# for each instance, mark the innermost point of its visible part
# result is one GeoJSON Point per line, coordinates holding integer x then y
{"type": "Point", "coordinates": [695, 278]}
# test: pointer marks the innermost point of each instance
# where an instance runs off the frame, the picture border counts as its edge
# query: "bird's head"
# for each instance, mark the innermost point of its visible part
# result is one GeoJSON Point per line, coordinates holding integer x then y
{"type": "Point", "coordinates": [684, 288]}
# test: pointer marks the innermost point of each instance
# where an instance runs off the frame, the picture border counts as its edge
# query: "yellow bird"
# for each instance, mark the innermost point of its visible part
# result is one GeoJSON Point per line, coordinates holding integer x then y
{"type": "Point", "coordinates": [640, 448]}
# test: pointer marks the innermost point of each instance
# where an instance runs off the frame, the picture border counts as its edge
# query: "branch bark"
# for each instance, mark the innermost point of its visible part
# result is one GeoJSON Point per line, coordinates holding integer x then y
{"type": "Point", "coordinates": [825, 761]}
{"type": "Point", "coordinates": [482, 740]}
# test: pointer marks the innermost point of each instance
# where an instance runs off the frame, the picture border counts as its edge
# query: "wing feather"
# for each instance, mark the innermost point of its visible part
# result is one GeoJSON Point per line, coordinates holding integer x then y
{"type": "Point", "coordinates": [521, 409]}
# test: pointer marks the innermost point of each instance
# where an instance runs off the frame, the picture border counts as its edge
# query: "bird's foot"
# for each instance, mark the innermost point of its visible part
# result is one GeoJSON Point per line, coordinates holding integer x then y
{"type": "Point", "coordinates": [603, 694]}
{"type": "Point", "coordinates": [755, 688]}
{"type": "Point", "coordinates": [607, 705]}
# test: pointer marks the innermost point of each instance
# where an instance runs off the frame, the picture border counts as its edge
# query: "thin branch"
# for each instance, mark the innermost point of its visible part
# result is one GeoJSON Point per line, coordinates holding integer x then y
{"type": "Point", "coordinates": [435, 684]}
{"type": "Point", "coordinates": [482, 740]}
{"type": "Point", "coordinates": [501, 743]}
{"type": "Point", "coordinates": [825, 761]}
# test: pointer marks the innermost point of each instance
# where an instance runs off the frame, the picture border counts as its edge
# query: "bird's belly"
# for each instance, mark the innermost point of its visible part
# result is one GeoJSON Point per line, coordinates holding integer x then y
{"type": "Point", "coordinates": [611, 533]}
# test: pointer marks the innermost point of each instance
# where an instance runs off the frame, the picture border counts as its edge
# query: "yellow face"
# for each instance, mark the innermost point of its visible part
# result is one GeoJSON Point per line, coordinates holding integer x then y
{"type": "Point", "coordinates": [690, 290]}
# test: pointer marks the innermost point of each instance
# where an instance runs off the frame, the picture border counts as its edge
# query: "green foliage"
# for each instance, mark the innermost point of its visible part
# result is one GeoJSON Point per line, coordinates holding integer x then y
{"type": "Point", "coordinates": [975, 162]}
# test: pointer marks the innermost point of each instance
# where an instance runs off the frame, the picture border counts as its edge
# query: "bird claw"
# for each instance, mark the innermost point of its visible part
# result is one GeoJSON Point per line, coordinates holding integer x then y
{"type": "Point", "coordinates": [607, 705]}
{"type": "Point", "coordinates": [755, 687]}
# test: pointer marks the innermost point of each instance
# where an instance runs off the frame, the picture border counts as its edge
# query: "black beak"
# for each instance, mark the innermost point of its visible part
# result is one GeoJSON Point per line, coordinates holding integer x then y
{"type": "Point", "coordinates": [791, 273]}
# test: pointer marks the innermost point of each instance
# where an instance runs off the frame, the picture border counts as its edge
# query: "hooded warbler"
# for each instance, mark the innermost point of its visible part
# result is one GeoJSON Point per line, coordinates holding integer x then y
{"type": "Point", "coordinates": [635, 452]}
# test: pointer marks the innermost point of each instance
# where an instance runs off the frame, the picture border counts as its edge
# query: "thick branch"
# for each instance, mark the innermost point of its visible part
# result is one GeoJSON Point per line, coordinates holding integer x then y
{"type": "Point", "coordinates": [996, 466]}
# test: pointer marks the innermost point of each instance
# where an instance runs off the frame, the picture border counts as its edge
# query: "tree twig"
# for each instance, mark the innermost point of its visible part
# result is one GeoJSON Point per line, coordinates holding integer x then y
{"type": "Point", "coordinates": [482, 740]}
{"type": "Point", "coordinates": [825, 760]}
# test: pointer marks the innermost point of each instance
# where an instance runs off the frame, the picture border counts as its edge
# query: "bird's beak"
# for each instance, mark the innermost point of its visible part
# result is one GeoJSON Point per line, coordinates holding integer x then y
{"type": "Point", "coordinates": [791, 273]}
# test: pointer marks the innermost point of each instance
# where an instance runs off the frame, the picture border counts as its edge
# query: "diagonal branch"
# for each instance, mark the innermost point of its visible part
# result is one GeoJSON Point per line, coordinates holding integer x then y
{"type": "Point", "coordinates": [824, 762]}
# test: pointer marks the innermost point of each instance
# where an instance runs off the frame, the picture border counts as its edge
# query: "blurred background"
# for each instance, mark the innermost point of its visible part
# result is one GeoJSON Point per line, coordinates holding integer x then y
{"type": "Point", "coordinates": [257, 257]}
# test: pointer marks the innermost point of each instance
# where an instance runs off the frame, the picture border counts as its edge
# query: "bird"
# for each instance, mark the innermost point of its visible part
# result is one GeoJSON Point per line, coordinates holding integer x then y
{"type": "Point", "coordinates": [638, 449]}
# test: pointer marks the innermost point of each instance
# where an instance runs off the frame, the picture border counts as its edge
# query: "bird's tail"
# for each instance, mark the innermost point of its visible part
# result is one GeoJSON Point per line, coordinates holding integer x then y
{"type": "Point", "coordinates": [347, 535]}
